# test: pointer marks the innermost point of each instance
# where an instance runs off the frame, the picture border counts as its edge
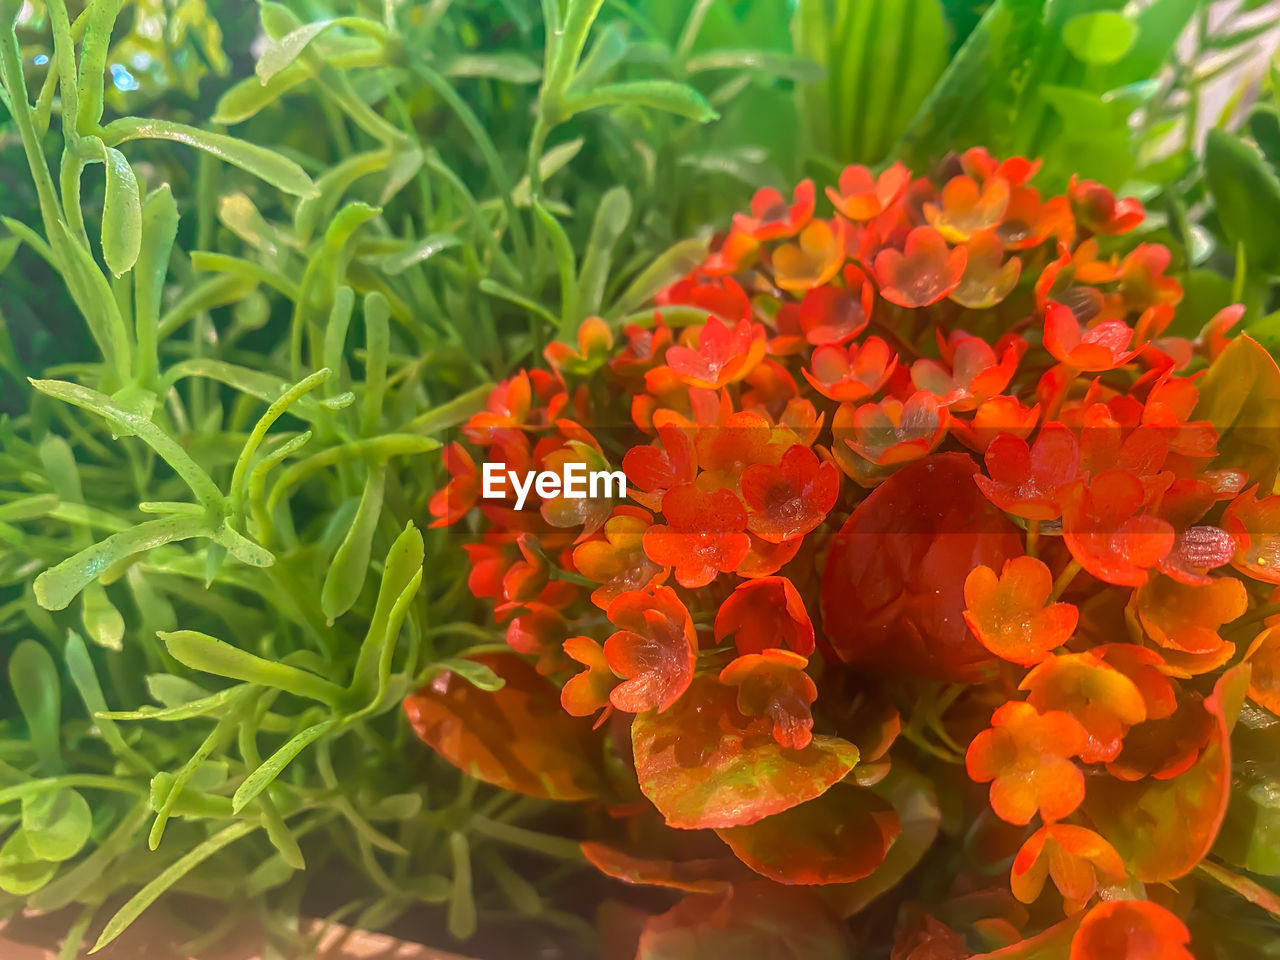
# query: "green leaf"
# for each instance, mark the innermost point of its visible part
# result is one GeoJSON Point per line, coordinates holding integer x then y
{"type": "Point", "coordinates": [462, 905]}
{"type": "Point", "coordinates": [251, 95]}
{"type": "Point", "coordinates": [477, 674]}
{"type": "Point", "coordinates": [282, 52]}
{"type": "Point", "coordinates": [33, 675]}
{"type": "Point", "coordinates": [121, 214]}
{"type": "Point", "coordinates": [678, 98]}
{"type": "Point", "coordinates": [612, 216]}
{"type": "Point", "coordinates": [508, 66]}
{"type": "Point", "coordinates": [168, 877]}
{"type": "Point", "coordinates": [275, 169]}
{"type": "Point", "coordinates": [346, 574]}
{"type": "Point", "coordinates": [274, 765]}
{"type": "Point", "coordinates": [1099, 38]}
{"type": "Point", "coordinates": [21, 871]}
{"type": "Point", "coordinates": [769, 62]}
{"type": "Point", "coordinates": [401, 577]}
{"type": "Point", "coordinates": [85, 678]}
{"type": "Point", "coordinates": [159, 229]}
{"type": "Point", "coordinates": [669, 267]}
{"type": "Point", "coordinates": [59, 585]}
{"type": "Point", "coordinates": [202, 652]}
{"type": "Point", "coordinates": [56, 824]}
{"type": "Point", "coordinates": [1247, 194]}
{"type": "Point", "coordinates": [423, 250]}
{"type": "Point", "coordinates": [101, 620]}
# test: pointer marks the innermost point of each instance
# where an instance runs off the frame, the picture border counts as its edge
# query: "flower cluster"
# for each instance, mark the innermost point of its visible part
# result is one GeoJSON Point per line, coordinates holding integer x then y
{"type": "Point", "coordinates": [961, 426]}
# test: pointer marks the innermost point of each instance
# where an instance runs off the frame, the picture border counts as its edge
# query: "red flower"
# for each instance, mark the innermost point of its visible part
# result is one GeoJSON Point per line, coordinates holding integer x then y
{"type": "Point", "coordinates": [851, 374]}
{"type": "Point", "coordinates": [772, 218]}
{"type": "Point", "coordinates": [1102, 347]}
{"type": "Point", "coordinates": [724, 354]}
{"type": "Point", "coordinates": [1025, 480]}
{"type": "Point", "coordinates": [653, 650]}
{"type": "Point", "coordinates": [975, 374]}
{"type": "Point", "coordinates": [1008, 614]}
{"type": "Point", "coordinates": [863, 196]}
{"type": "Point", "coordinates": [1003, 414]}
{"type": "Point", "coordinates": [926, 271]}
{"type": "Point", "coordinates": [773, 684]}
{"type": "Point", "coordinates": [459, 495]}
{"type": "Point", "coordinates": [1130, 930]}
{"type": "Point", "coordinates": [892, 432]}
{"type": "Point", "coordinates": [765, 613]}
{"type": "Point", "coordinates": [655, 469]}
{"type": "Point", "coordinates": [645, 348]}
{"type": "Point", "coordinates": [967, 208]}
{"type": "Point", "coordinates": [705, 534]}
{"type": "Point", "coordinates": [1026, 757]}
{"type": "Point", "coordinates": [1106, 534]}
{"type": "Point", "coordinates": [988, 277]}
{"type": "Point", "coordinates": [837, 314]}
{"type": "Point", "coordinates": [1097, 210]}
{"type": "Point", "coordinates": [790, 499]}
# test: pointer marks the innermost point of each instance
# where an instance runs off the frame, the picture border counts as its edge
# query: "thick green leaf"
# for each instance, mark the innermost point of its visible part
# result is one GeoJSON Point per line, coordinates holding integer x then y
{"type": "Point", "coordinates": [275, 169]}
{"type": "Point", "coordinates": [1247, 194]}
{"type": "Point", "coordinates": [274, 765]}
{"type": "Point", "coordinates": [56, 824]}
{"type": "Point", "coordinates": [202, 652]}
{"type": "Point", "coordinates": [1099, 38]}
{"type": "Point", "coordinates": [401, 577]}
{"type": "Point", "coordinates": [346, 574]}
{"type": "Point", "coordinates": [33, 675]}
{"type": "Point", "coordinates": [678, 98]}
{"type": "Point", "coordinates": [121, 214]}
{"type": "Point", "coordinates": [21, 871]}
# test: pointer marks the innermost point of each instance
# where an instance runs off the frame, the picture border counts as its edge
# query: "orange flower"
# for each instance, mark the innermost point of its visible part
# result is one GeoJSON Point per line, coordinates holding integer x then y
{"type": "Point", "coordinates": [812, 261]}
{"type": "Point", "coordinates": [987, 280]}
{"type": "Point", "coordinates": [763, 613]}
{"type": "Point", "coordinates": [585, 693]}
{"type": "Point", "coordinates": [1003, 414]}
{"type": "Point", "coordinates": [595, 341]}
{"type": "Point", "coordinates": [725, 354]}
{"type": "Point", "coordinates": [926, 270]}
{"type": "Point", "coordinates": [967, 208]}
{"type": "Point", "coordinates": [1026, 757]}
{"type": "Point", "coordinates": [892, 432]}
{"type": "Point", "coordinates": [852, 374]}
{"type": "Point", "coordinates": [459, 495]}
{"type": "Point", "coordinates": [616, 559]}
{"type": "Point", "coordinates": [792, 498]}
{"type": "Point", "coordinates": [653, 650]}
{"type": "Point", "coordinates": [1075, 857]}
{"type": "Point", "coordinates": [772, 218]}
{"type": "Point", "coordinates": [837, 314]}
{"type": "Point", "coordinates": [1104, 346]}
{"type": "Point", "coordinates": [773, 683]}
{"type": "Point", "coordinates": [1097, 210]}
{"type": "Point", "coordinates": [705, 534]}
{"type": "Point", "coordinates": [863, 196]}
{"type": "Point", "coordinates": [1103, 700]}
{"type": "Point", "coordinates": [975, 375]}
{"type": "Point", "coordinates": [1008, 614]}
{"type": "Point", "coordinates": [1264, 681]}
{"type": "Point", "coordinates": [1255, 526]}
{"type": "Point", "coordinates": [1103, 529]}
{"type": "Point", "coordinates": [1130, 930]}
{"type": "Point", "coordinates": [1188, 617]}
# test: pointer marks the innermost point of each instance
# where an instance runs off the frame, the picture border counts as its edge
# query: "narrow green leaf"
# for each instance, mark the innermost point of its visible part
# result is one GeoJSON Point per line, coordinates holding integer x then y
{"type": "Point", "coordinates": [33, 675]}
{"type": "Point", "coordinates": [612, 216]}
{"type": "Point", "coordinates": [462, 906]}
{"type": "Point", "coordinates": [476, 674]}
{"type": "Point", "coordinates": [275, 169]}
{"type": "Point", "coordinates": [346, 574]}
{"type": "Point", "coordinates": [168, 877]}
{"type": "Point", "coordinates": [771, 62]}
{"type": "Point", "coordinates": [202, 652]}
{"type": "Point", "coordinates": [59, 585]}
{"type": "Point", "coordinates": [159, 229]}
{"type": "Point", "coordinates": [669, 267]}
{"type": "Point", "coordinates": [85, 677]}
{"type": "Point", "coordinates": [423, 250]}
{"type": "Point", "coordinates": [678, 98]}
{"type": "Point", "coordinates": [507, 66]}
{"type": "Point", "coordinates": [401, 577]}
{"type": "Point", "coordinates": [274, 765]}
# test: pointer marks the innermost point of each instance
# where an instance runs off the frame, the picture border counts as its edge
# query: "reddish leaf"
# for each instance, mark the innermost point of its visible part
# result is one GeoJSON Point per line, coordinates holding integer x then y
{"type": "Point", "coordinates": [516, 737]}
{"type": "Point", "coordinates": [704, 764]}
{"type": "Point", "coordinates": [691, 876]}
{"type": "Point", "coordinates": [840, 837]}
{"type": "Point", "coordinates": [754, 921]}
{"type": "Point", "coordinates": [1240, 396]}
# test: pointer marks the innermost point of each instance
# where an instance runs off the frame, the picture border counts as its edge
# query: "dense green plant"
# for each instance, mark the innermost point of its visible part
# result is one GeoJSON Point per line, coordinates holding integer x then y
{"type": "Point", "coordinates": [293, 293]}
